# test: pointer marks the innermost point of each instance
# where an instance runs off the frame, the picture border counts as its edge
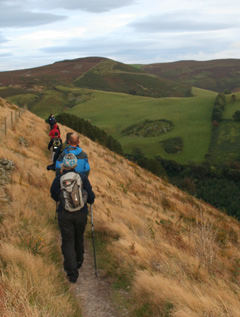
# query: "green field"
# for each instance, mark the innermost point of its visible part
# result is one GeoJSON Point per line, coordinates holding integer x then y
{"type": "Point", "coordinates": [231, 106]}
{"type": "Point", "coordinates": [225, 145]}
{"type": "Point", "coordinates": [191, 117]}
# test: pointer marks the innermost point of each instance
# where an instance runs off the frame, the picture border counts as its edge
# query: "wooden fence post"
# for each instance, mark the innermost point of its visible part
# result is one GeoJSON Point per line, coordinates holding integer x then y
{"type": "Point", "coordinates": [11, 120]}
{"type": "Point", "coordinates": [5, 122]}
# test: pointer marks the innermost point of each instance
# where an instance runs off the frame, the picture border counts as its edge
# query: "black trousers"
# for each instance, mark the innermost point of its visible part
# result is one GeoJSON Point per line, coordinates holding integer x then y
{"type": "Point", "coordinates": [72, 226]}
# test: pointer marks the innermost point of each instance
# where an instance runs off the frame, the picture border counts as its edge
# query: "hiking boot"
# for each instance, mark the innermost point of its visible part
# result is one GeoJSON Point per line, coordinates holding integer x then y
{"type": "Point", "coordinates": [79, 264]}
{"type": "Point", "coordinates": [51, 167]}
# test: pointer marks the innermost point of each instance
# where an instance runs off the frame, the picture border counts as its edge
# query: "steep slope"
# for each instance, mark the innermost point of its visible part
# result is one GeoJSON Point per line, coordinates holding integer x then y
{"type": "Point", "coordinates": [174, 255]}
{"type": "Point", "coordinates": [30, 280]}
{"type": "Point", "coordinates": [216, 75]}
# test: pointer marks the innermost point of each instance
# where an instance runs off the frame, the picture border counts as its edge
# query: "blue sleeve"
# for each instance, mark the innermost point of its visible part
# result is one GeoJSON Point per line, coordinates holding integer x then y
{"type": "Point", "coordinates": [86, 165]}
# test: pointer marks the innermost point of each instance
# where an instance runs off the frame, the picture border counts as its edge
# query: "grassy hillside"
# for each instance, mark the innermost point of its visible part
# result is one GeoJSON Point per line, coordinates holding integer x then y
{"type": "Point", "coordinates": [31, 282]}
{"type": "Point", "coordinates": [47, 76]}
{"type": "Point", "coordinates": [114, 76]}
{"type": "Point", "coordinates": [172, 254]}
{"type": "Point", "coordinates": [190, 117]}
{"type": "Point", "coordinates": [216, 75]}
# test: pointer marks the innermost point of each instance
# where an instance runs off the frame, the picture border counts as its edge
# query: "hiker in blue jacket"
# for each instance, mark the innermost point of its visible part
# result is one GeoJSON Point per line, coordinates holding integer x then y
{"type": "Point", "coordinates": [72, 224]}
{"type": "Point", "coordinates": [82, 159]}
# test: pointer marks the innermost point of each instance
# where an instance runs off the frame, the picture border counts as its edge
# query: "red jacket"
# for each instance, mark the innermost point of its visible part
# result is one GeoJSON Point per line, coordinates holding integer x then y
{"type": "Point", "coordinates": [53, 131]}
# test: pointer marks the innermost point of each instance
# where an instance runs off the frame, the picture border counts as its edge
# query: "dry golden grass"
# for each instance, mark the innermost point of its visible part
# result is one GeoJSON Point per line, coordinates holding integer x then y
{"type": "Point", "coordinates": [30, 285]}
{"type": "Point", "coordinates": [31, 282]}
{"type": "Point", "coordinates": [181, 256]}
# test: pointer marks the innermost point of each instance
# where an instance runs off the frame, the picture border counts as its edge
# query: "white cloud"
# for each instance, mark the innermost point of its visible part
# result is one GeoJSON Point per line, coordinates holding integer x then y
{"type": "Point", "coordinates": [95, 6]}
{"type": "Point", "coordinates": [53, 35]}
{"type": "Point", "coordinates": [35, 33]}
{"type": "Point", "coordinates": [16, 16]}
{"type": "Point", "coordinates": [182, 22]}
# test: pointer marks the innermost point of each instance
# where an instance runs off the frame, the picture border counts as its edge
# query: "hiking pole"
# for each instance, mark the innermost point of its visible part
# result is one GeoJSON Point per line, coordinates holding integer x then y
{"type": "Point", "coordinates": [94, 254]}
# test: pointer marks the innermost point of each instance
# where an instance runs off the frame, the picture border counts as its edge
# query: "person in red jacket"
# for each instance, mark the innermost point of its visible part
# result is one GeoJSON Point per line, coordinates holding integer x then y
{"type": "Point", "coordinates": [53, 131]}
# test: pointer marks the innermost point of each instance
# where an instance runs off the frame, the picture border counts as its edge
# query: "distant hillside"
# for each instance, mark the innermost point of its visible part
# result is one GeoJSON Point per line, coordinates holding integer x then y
{"type": "Point", "coordinates": [216, 75]}
{"type": "Point", "coordinates": [92, 72]}
{"type": "Point", "coordinates": [113, 76]}
{"type": "Point", "coordinates": [167, 253]}
{"type": "Point", "coordinates": [60, 72]}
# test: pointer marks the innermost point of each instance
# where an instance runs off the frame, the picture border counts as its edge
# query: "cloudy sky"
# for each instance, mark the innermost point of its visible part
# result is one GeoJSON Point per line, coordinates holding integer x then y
{"type": "Point", "coordinates": [40, 32]}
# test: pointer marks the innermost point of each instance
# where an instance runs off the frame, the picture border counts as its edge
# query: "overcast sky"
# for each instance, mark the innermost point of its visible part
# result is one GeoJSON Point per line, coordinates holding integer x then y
{"type": "Point", "coordinates": [40, 32]}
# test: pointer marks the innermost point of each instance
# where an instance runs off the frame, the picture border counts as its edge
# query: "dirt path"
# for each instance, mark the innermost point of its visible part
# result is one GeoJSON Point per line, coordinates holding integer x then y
{"type": "Point", "coordinates": [94, 293]}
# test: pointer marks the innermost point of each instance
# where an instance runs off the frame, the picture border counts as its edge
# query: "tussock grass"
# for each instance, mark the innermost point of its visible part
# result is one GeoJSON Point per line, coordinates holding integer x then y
{"type": "Point", "coordinates": [173, 254]}
{"type": "Point", "coordinates": [30, 285]}
{"type": "Point", "coordinates": [31, 282]}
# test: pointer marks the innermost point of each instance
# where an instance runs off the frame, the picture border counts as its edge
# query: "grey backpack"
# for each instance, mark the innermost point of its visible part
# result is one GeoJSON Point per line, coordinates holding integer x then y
{"type": "Point", "coordinates": [72, 195]}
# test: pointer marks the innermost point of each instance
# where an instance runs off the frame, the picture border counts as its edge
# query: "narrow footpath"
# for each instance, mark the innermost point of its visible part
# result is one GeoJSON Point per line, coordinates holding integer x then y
{"type": "Point", "coordinates": [94, 293]}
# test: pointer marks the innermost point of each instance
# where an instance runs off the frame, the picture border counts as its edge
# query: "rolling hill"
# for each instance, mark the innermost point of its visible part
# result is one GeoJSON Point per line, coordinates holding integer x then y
{"type": "Point", "coordinates": [114, 76]}
{"type": "Point", "coordinates": [215, 75]}
{"type": "Point", "coordinates": [46, 76]}
{"type": "Point", "coordinates": [95, 73]}
{"type": "Point", "coordinates": [169, 253]}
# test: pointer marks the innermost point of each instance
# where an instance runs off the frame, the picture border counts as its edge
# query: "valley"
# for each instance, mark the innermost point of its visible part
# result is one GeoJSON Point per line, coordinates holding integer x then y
{"type": "Point", "coordinates": [114, 112]}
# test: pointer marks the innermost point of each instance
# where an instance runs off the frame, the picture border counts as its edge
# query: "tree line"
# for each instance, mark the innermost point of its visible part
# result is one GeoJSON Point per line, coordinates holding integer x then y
{"type": "Point", "coordinates": [218, 108]}
{"type": "Point", "coordinates": [92, 132]}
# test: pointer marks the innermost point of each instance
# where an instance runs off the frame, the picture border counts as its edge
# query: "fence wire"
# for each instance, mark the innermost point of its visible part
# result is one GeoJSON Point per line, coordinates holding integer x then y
{"type": "Point", "coordinates": [9, 122]}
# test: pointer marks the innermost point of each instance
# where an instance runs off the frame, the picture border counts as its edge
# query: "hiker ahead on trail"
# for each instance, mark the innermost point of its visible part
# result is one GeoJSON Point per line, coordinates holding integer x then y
{"type": "Point", "coordinates": [82, 159]}
{"type": "Point", "coordinates": [62, 147]}
{"type": "Point", "coordinates": [74, 191]}
{"type": "Point", "coordinates": [59, 151]}
{"type": "Point", "coordinates": [54, 130]}
{"type": "Point", "coordinates": [55, 143]}
{"type": "Point", "coordinates": [51, 121]}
